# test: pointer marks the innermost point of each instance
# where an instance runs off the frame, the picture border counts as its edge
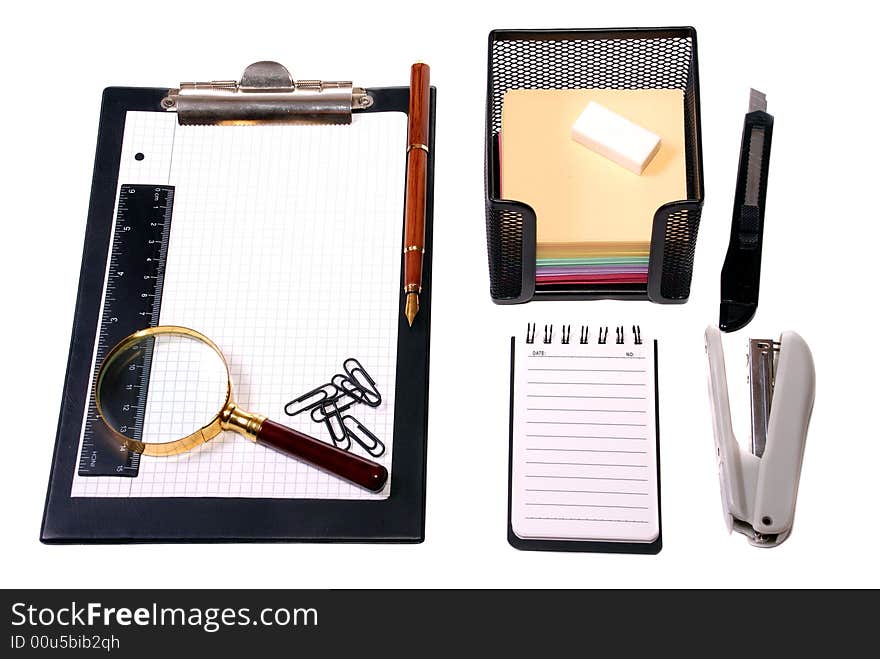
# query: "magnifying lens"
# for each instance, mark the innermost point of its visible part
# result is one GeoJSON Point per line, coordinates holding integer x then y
{"type": "Point", "coordinates": [165, 390]}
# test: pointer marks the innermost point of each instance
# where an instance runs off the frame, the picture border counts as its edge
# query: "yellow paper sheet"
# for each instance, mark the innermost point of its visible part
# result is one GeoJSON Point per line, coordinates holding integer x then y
{"type": "Point", "coordinates": [596, 249]}
{"type": "Point", "coordinates": [582, 199]}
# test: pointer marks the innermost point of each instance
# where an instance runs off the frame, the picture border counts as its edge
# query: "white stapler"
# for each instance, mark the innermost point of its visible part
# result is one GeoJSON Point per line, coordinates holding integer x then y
{"type": "Point", "coordinates": [759, 487]}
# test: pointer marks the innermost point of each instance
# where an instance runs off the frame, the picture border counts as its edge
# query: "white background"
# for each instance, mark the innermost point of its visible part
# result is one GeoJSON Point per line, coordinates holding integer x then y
{"type": "Point", "coordinates": [818, 67]}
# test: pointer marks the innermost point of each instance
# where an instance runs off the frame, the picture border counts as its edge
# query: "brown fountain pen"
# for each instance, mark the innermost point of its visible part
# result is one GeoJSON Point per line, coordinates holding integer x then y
{"type": "Point", "coordinates": [416, 186]}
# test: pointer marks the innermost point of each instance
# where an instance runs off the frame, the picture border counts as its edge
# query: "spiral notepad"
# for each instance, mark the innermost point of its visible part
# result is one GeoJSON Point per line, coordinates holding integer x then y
{"type": "Point", "coordinates": [584, 441]}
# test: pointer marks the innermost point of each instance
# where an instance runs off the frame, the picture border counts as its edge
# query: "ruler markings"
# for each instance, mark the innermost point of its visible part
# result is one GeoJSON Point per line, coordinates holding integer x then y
{"type": "Point", "coordinates": [132, 301]}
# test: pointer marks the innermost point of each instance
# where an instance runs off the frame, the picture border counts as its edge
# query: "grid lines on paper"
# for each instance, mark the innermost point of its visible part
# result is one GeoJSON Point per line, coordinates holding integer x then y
{"type": "Point", "coordinates": [285, 251]}
{"type": "Point", "coordinates": [150, 134]}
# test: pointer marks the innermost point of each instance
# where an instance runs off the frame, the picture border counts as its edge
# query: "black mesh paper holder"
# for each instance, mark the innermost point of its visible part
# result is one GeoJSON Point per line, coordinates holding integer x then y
{"type": "Point", "coordinates": [625, 58]}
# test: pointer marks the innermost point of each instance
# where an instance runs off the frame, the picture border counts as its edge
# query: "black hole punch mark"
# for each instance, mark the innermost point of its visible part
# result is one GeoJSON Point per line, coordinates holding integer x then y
{"type": "Point", "coordinates": [139, 156]}
{"type": "Point", "coordinates": [766, 521]}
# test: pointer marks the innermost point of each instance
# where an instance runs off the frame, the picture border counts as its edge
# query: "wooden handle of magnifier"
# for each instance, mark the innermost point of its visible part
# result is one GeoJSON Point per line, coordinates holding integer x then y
{"type": "Point", "coordinates": [351, 467]}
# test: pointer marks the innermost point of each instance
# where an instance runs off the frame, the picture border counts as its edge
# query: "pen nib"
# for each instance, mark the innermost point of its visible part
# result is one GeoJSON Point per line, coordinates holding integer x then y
{"type": "Point", "coordinates": [412, 307]}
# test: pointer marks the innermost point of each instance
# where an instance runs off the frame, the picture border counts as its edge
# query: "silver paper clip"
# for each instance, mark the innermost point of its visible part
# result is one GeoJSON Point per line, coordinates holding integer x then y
{"type": "Point", "coordinates": [312, 399]}
{"type": "Point", "coordinates": [362, 435]}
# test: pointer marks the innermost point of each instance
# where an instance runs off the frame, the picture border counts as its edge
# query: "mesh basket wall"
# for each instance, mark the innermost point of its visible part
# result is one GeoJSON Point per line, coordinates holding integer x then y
{"type": "Point", "coordinates": [615, 59]}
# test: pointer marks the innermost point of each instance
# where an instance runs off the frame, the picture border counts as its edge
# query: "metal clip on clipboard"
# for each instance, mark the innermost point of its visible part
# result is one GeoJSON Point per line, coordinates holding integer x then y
{"type": "Point", "coordinates": [266, 93]}
{"type": "Point", "coordinates": [759, 487]}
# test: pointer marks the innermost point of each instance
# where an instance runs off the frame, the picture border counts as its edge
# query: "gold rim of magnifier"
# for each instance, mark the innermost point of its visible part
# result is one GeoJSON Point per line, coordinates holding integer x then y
{"type": "Point", "coordinates": [200, 436]}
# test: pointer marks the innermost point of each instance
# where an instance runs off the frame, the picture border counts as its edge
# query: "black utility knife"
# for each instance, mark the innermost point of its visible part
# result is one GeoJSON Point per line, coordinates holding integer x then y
{"type": "Point", "coordinates": [741, 273]}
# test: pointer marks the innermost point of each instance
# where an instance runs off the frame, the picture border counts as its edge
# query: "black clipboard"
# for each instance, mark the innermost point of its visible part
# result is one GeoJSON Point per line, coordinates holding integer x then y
{"type": "Point", "coordinates": [529, 544]}
{"type": "Point", "coordinates": [399, 518]}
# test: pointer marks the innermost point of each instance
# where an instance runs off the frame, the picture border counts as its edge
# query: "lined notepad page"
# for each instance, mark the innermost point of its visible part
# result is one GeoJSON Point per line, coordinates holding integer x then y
{"type": "Point", "coordinates": [284, 250]}
{"type": "Point", "coordinates": [584, 462]}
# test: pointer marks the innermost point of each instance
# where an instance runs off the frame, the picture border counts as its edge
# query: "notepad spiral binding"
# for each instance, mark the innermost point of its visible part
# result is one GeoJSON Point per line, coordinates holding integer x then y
{"type": "Point", "coordinates": [620, 334]}
{"type": "Point", "coordinates": [628, 58]}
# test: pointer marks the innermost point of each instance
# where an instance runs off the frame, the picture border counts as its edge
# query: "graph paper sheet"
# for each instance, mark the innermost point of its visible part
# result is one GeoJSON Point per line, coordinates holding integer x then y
{"type": "Point", "coordinates": [285, 251]}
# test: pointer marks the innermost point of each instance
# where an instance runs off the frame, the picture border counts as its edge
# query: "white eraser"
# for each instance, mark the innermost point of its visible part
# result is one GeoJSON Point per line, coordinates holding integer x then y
{"type": "Point", "coordinates": [615, 137]}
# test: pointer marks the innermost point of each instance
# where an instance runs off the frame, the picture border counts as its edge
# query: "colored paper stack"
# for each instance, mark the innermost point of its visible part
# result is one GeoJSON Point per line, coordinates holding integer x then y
{"type": "Point", "coordinates": [618, 264]}
{"type": "Point", "coordinates": [594, 217]}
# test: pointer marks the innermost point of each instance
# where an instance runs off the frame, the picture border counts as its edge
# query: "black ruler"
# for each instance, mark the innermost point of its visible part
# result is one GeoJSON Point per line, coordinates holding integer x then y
{"type": "Point", "coordinates": [132, 300]}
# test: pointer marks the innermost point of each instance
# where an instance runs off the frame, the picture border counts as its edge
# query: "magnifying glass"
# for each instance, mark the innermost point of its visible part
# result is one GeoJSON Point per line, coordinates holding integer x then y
{"type": "Point", "coordinates": [177, 380]}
